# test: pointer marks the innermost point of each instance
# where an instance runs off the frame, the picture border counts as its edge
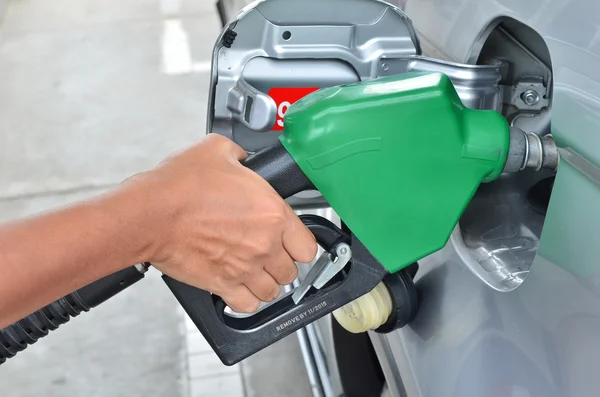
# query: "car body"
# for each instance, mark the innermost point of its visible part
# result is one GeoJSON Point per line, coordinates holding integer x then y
{"type": "Point", "coordinates": [511, 305]}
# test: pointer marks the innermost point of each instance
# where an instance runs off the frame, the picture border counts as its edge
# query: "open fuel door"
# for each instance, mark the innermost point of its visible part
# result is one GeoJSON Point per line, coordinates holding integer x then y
{"type": "Point", "coordinates": [274, 52]}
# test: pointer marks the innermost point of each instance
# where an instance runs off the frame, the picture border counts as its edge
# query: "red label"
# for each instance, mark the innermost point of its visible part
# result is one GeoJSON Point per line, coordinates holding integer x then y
{"type": "Point", "coordinates": [284, 98]}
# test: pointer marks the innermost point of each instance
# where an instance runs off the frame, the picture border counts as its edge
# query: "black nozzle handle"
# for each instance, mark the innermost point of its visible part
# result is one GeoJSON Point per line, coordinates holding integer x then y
{"type": "Point", "coordinates": [234, 338]}
{"type": "Point", "coordinates": [278, 167]}
{"type": "Point", "coordinates": [27, 331]}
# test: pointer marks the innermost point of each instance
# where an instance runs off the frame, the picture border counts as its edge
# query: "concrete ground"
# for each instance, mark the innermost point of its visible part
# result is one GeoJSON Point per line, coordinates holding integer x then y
{"type": "Point", "coordinates": [90, 93]}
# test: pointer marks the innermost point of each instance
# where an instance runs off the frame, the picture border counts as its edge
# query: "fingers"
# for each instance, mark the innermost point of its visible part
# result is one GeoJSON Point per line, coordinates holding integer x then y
{"type": "Point", "coordinates": [241, 300]}
{"type": "Point", "coordinates": [282, 269]}
{"type": "Point", "coordinates": [246, 298]}
{"type": "Point", "coordinates": [263, 286]}
{"type": "Point", "coordinates": [298, 241]}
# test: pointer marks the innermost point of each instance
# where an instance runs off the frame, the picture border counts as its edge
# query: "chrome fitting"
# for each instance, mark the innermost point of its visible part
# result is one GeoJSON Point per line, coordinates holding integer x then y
{"type": "Point", "coordinates": [529, 150]}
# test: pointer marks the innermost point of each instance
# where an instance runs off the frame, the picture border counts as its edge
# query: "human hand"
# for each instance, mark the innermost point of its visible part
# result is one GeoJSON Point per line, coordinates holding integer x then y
{"type": "Point", "coordinates": [221, 227]}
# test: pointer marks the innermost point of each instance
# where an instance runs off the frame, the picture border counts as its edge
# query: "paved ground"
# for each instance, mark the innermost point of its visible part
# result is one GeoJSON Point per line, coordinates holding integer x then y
{"type": "Point", "coordinates": [3, 4]}
{"type": "Point", "coordinates": [91, 92]}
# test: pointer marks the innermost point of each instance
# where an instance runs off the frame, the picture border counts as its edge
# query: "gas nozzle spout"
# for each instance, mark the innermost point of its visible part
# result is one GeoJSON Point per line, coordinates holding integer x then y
{"type": "Point", "coordinates": [529, 150]}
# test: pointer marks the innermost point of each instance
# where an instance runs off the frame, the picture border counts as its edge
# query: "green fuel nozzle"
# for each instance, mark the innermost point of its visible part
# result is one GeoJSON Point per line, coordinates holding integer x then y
{"type": "Point", "coordinates": [399, 158]}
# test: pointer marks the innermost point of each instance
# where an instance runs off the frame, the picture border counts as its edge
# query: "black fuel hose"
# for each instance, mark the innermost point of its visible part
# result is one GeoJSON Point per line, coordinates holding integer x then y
{"type": "Point", "coordinates": [16, 337]}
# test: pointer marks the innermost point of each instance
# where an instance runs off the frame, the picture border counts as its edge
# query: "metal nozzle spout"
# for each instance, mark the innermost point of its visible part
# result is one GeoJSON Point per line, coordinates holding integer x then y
{"type": "Point", "coordinates": [528, 150]}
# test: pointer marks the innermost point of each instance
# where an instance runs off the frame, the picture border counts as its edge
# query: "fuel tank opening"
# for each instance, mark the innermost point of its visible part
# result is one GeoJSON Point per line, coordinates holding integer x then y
{"type": "Point", "coordinates": [499, 232]}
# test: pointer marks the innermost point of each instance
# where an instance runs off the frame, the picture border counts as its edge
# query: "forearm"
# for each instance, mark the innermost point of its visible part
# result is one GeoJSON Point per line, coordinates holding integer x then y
{"type": "Point", "coordinates": [49, 256]}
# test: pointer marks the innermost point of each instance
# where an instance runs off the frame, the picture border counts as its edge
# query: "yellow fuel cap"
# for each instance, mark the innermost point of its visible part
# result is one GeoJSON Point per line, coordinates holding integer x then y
{"type": "Point", "coordinates": [368, 312]}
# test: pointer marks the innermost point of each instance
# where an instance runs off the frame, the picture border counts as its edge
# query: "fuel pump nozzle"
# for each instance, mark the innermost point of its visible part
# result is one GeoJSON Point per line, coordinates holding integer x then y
{"type": "Point", "coordinates": [398, 159]}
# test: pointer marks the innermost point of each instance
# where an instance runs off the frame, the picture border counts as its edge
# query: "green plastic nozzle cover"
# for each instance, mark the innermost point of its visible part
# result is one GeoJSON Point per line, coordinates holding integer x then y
{"type": "Point", "coordinates": [397, 158]}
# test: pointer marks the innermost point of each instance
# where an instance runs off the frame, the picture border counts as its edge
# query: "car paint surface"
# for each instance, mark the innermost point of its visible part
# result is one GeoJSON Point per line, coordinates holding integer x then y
{"type": "Point", "coordinates": [542, 339]}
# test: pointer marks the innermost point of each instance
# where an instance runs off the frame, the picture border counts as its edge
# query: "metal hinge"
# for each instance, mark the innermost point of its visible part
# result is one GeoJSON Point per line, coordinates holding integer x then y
{"type": "Point", "coordinates": [529, 94]}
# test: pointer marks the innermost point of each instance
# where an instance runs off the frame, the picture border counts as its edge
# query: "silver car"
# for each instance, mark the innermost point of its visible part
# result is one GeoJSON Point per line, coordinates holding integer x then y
{"type": "Point", "coordinates": [511, 305]}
